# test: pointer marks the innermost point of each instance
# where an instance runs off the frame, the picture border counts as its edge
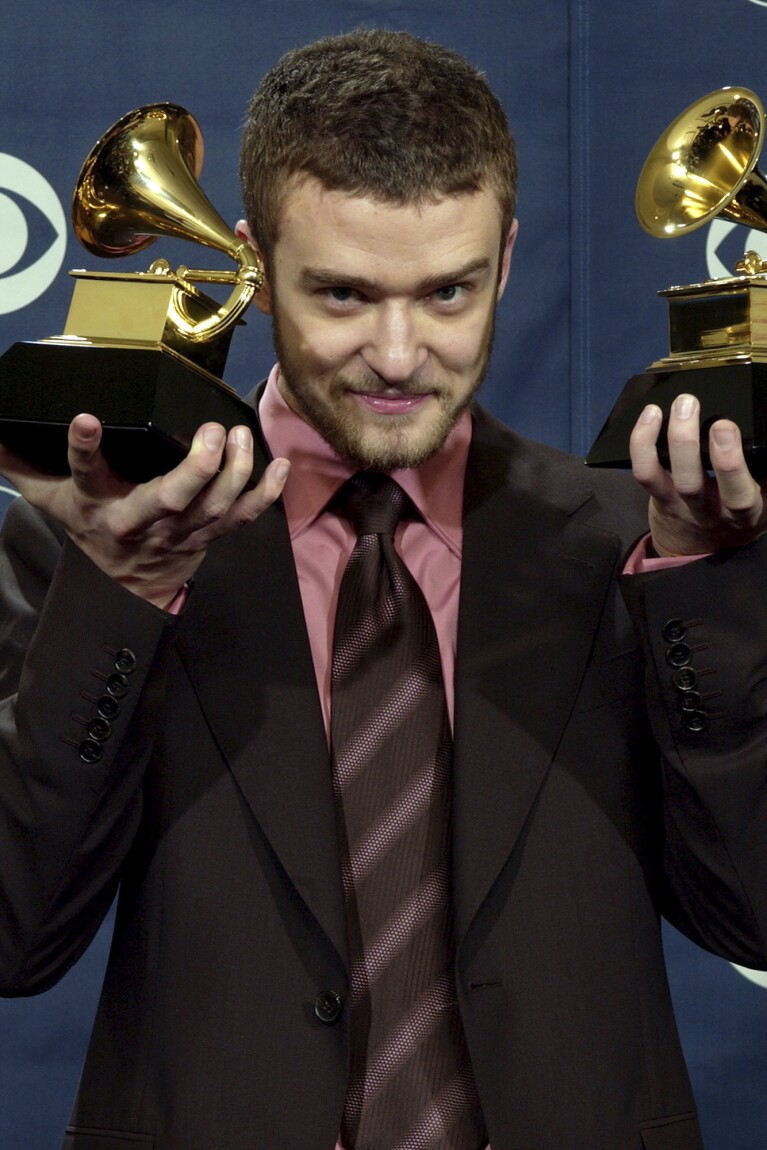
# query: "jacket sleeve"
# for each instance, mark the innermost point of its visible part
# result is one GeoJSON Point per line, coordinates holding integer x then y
{"type": "Point", "coordinates": [704, 630]}
{"type": "Point", "coordinates": [79, 681]}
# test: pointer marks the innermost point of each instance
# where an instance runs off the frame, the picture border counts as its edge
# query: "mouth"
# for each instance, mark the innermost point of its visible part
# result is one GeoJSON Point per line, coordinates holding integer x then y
{"type": "Point", "coordinates": [391, 402]}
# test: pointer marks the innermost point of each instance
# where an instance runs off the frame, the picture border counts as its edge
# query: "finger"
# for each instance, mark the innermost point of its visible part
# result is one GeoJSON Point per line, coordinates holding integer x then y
{"type": "Point", "coordinates": [738, 490]}
{"type": "Point", "coordinates": [683, 435]}
{"type": "Point", "coordinates": [266, 492]}
{"type": "Point", "coordinates": [214, 500]}
{"type": "Point", "coordinates": [643, 447]}
{"type": "Point", "coordinates": [86, 462]}
{"type": "Point", "coordinates": [172, 494]}
{"type": "Point", "coordinates": [248, 506]}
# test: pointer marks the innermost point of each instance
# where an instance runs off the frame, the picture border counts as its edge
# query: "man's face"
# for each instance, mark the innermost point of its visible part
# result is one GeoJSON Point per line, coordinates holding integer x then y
{"type": "Point", "coordinates": [383, 316]}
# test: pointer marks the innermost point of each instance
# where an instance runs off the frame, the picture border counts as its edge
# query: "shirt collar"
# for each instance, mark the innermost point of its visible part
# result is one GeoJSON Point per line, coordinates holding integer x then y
{"type": "Point", "coordinates": [317, 472]}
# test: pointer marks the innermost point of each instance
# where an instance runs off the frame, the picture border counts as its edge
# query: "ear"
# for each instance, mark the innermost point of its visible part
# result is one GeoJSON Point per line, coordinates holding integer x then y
{"type": "Point", "coordinates": [506, 258]}
{"type": "Point", "coordinates": [263, 298]}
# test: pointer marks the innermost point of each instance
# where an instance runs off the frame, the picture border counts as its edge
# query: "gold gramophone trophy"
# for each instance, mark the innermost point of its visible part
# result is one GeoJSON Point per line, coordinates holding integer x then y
{"type": "Point", "coordinates": [142, 351]}
{"type": "Point", "coordinates": [702, 167]}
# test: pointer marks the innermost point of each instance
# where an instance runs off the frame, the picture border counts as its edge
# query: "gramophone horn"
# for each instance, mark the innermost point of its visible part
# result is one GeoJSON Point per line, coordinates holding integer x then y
{"type": "Point", "coordinates": [704, 166]}
{"type": "Point", "coordinates": [140, 182]}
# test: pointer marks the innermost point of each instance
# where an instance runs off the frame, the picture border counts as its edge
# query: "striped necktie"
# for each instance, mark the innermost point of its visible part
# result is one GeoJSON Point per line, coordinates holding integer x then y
{"type": "Point", "coordinates": [411, 1086]}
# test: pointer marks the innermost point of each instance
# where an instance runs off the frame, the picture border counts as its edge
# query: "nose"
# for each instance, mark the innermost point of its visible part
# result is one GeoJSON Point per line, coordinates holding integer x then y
{"type": "Point", "coordinates": [395, 349]}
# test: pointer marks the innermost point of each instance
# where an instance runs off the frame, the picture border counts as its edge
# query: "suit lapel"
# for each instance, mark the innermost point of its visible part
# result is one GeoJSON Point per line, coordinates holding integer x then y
{"type": "Point", "coordinates": [533, 583]}
{"type": "Point", "coordinates": [244, 645]}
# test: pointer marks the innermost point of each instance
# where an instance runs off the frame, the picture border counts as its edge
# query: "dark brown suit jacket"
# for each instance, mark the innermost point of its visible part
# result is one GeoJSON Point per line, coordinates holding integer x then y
{"type": "Point", "coordinates": [211, 808]}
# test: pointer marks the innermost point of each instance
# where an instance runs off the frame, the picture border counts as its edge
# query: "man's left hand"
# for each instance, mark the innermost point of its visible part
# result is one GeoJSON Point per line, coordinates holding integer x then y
{"type": "Point", "coordinates": [691, 511]}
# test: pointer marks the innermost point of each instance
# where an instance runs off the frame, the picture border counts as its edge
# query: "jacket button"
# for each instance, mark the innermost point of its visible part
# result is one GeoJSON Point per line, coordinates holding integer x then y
{"type": "Point", "coordinates": [90, 751]}
{"type": "Point", "coordinates": [117, 685]}
{"type": "Point", "coordinates": [685, 679]}
{"type": "Point", "coordinates": [328, 1007]}
{"type": "Point", "coordinates": [674, 631]}
{"type": "Point", "coordinates": [125, 661]}
{"type": "Point", "coordinates": [107, 707]}
{"type": "Point", "coordinates": [679, 655]}
{"type": "Point", "coordinates": [695, 721]}
{"type": "Point", "coordinates": [99, 729]}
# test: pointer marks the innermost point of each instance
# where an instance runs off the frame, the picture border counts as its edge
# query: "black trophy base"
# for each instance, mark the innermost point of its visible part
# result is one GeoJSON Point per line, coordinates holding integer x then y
{"type": "Point", "coordinates": [727, 391]}
{"type": "Point", "coordinates": [149, 400]}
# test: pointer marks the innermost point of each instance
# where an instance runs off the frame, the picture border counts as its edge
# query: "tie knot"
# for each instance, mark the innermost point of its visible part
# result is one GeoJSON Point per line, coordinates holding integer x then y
{"type": "Point", "coordinates": [373, 503]}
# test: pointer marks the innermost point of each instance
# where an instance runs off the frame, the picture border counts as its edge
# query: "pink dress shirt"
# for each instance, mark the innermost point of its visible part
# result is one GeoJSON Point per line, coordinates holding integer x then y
{"type": "Point", "coordinates": [643, 559]}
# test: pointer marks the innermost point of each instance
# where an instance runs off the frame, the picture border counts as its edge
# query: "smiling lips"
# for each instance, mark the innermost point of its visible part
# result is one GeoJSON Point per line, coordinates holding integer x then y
{"type": "Point", "coordinates": [391, 403]}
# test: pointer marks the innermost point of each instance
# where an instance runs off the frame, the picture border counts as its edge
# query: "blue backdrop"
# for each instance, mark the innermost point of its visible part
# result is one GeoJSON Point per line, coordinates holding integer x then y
{"type": "Point", "coordinates": [588, 88]}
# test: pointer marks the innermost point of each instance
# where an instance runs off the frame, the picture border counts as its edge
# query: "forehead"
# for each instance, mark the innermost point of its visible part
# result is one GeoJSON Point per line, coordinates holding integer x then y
{"type": "Point", "coordinates": [362, 234]}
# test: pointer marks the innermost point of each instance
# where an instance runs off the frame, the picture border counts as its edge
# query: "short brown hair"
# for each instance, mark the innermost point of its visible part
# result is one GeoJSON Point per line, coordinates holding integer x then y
{"type": "Point", "coordinates": [375, 113]}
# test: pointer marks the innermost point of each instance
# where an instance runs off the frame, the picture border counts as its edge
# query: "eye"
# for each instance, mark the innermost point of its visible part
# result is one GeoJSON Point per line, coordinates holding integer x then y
{"type": "Point", "coordinates": [449, 297]}
{"type": "Point", "coordinates": [448, 293]}
{"type": "Point", "coordinates": [342, 294]}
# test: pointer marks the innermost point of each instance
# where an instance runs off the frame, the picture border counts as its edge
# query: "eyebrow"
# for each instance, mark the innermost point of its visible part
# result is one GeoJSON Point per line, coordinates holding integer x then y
{"type": "Point", "coordinates": [323, 276]}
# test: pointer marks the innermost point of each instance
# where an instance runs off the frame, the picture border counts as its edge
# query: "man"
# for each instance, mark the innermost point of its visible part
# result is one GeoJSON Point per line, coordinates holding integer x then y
{"type": "Point", "coordinates": [605, 769]}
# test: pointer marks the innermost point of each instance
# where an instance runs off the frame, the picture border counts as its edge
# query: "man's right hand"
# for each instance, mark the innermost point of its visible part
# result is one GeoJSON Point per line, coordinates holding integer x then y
{"type": "Point", "coordinates": [151, 537]}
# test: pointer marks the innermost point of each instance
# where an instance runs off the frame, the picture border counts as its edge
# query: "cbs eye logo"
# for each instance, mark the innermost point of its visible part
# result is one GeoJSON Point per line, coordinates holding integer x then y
{"type": "Point", "coordinates": [33, 234]}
